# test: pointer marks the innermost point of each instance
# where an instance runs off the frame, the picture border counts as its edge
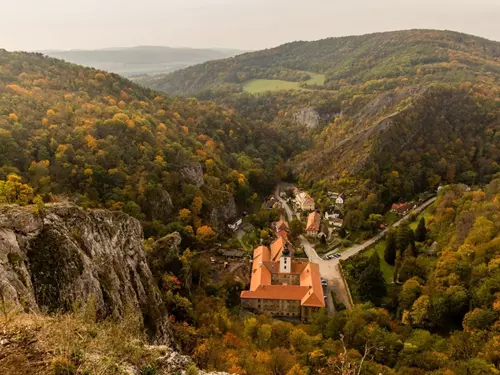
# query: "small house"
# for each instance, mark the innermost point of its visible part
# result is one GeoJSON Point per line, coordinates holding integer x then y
{"type": "Point", "coordinates": [336, 223]}
{"type": "Point", "coordinates": [402, 208]}
{"type": "Point", "coordinates": [235, 224]}
{"type": "Point", "coordinates": [331, 215]}
{"type": "Point", "coordinates": [340, 200]}
{"type": "Point", "coordinates": [313, 224]}
{"type": "Point", "coordinates": [304, 201]}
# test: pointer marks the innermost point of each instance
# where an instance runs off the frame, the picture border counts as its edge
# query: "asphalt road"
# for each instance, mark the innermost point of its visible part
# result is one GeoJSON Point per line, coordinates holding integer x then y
{"type": "Point", "coordinates": [330, 269]}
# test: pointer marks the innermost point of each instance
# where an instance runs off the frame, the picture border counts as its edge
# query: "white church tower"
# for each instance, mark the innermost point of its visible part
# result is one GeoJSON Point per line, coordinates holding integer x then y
{"type": "Point", "coordinates": [285, 260]}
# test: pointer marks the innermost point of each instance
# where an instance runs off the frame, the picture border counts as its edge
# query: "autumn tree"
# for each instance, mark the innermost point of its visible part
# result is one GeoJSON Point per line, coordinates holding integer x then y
{"type": "Point", "coordinates": [205, 234]}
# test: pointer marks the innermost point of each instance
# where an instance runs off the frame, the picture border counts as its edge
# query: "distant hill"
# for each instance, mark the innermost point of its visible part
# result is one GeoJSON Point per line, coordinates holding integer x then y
{"type": "Point", "coordinates": [376, 61]}
{"type": "Point", "coordinates": [392, 113]}
{"type": "Point", "coordinates": [142, 60]}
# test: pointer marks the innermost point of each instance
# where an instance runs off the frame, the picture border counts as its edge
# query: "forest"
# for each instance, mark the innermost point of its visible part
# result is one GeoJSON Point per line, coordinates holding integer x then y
{"type": "Point", "coordinates": [439, 315]}
{"type": "Point", "coordinates": [367, 63]}
{"type": "Point", "coordinates": [418, 115]}
{"type": "Point", "coordinates": [102, 141]}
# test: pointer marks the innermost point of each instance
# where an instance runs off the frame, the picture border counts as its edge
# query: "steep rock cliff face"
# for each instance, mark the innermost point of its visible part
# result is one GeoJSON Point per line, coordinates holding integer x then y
{"type": "Point", "coordinates": [308, 117]}
{"type": "Point", "coordinates": [68, 256]}
{"type": "Point", "coordinates": [192, 174]}
{"type": "Point", "coordinates": [222, 208]}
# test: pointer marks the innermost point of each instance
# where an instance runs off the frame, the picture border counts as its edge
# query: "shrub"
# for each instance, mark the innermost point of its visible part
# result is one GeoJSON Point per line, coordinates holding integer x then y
{"type": "Point", "coordinates": [192, 370]}
{"type": "Point", "coordinates": [63, 366]}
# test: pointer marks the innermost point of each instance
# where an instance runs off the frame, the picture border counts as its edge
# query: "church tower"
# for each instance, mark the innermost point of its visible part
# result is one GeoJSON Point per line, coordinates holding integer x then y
{"type": "Point", "coordinates": [286, 260]}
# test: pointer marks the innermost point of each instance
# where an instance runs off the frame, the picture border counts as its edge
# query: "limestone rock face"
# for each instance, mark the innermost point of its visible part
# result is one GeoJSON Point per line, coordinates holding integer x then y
{"type": "Point", "coordinates": [308, 117]}
{"type": "Point", "coordinates": [223, 208]}
{"type": "Point", "coordinates": [192, 174]}
{"type": "Point", "coordinates": [68, 256]}
{"type": "Point", "coordinates": [158, 204]}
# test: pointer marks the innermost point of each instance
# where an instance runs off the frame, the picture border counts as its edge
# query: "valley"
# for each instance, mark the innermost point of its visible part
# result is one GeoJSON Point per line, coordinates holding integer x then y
{"type": "Point", "coordinates": [324, 207]}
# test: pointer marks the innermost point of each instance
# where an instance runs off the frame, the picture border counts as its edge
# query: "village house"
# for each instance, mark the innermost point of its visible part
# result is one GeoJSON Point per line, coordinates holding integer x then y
{"type": "Point", "coordinates": [272, 203]}
{"type": "Point", "coordinates": [339, 201]}
{"type": "Point", "coordinates": [403, 208]}
{"type": "Point", "coordinates": [313, 224]}
{"type": "Point", "coordinates": [281, 286]}
{"type": "Point", "coordinates": [331, 215]}
{"type": "Point", "coordinates": [304, 201]}
{"type": "Point", "coordinates": [235, 224]}
{"type": "Point", "coordinates": [336, 222]}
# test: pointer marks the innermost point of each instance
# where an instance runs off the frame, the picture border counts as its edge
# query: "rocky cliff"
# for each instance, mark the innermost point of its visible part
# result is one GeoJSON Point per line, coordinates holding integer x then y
{"type": "Point", "coordinates": [69, 257]}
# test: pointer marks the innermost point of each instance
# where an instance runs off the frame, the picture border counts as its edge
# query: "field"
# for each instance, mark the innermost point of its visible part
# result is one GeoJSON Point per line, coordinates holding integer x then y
{"type": "Point", "coordinates": [261, 85]}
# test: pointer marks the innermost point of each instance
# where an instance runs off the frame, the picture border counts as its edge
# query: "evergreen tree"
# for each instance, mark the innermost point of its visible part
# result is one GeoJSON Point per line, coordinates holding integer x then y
{"type": "Point", "coordinates": [390, 249]}
{"type": "Point", "coordinates": [371, 285]}
{"type": "Point", "coordinates": [405, 237]}
{"type": "Point", "coordinates": [421, 232]}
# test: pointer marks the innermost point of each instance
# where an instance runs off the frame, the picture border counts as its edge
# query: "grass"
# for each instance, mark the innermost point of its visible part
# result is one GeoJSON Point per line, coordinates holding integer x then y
{"type": "Point", "coordinates": [261, 85]}
{"type": "Point", "coordinates": [74, 343]}
{"type": "Point", "coordinates": [387, 269]}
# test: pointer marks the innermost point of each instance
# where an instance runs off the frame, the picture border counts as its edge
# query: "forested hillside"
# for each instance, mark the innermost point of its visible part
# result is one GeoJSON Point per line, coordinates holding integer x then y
{"type": "Point", "coordinates": [107, 142]}
{"type": "Point", "coordinates": [367, 63]}
{"type": "Point", "coordinates": [426, 137]}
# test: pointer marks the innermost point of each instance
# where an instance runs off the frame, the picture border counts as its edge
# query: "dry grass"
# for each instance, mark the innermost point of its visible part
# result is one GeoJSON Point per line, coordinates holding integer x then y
{"type": "Point", "coordinates": [74, 344]}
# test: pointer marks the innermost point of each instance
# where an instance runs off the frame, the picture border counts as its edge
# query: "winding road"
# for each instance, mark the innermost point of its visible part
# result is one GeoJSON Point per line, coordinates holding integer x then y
{"type": "Point", "coordinates": [330, 269]}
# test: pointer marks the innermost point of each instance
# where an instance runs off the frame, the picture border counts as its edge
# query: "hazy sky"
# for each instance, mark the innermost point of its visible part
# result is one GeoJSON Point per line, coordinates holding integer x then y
{"type": "Point", "coordinates": [246, 24]}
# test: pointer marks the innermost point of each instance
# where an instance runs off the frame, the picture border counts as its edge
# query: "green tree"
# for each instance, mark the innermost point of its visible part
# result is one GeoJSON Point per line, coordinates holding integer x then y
{"type": "Point", "coordinates": [371, 285]}
{"type": "Point", "coordinates": [296, 227]}
{"type": "Point", "coordinates": [390, 248]}
{"type": "Point", "coordinates": [421, 231]}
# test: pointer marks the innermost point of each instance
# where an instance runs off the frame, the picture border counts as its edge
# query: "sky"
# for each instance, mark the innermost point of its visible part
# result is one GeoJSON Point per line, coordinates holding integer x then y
{"type": "Point", "coordinates": [243, 24]}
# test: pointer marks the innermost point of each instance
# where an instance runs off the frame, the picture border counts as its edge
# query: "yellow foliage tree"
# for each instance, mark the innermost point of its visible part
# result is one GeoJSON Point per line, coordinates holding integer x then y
{"type": "Point", "coordinates": [205, 234]}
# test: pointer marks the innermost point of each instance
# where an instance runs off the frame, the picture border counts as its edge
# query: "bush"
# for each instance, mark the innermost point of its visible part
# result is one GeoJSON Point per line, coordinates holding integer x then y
{"type": "Point", "coordinates": [148, 370]}
{"type": "Point", "coordinates": [63, 366]}
{"type": "Point", "coordinates": [192, 370]}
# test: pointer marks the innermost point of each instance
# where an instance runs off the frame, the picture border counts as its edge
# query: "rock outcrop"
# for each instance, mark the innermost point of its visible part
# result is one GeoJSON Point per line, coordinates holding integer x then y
{"type": "Point", "coordinates": [158, 204]}
{"type": "Point", "coordinates": [308, 117]}
{"type": "Point", "coordinates": [70, 257]}
{"type": "Point", "coordinates": [222, 209]}
{"type": "Point", "coordinates": [192, 174]}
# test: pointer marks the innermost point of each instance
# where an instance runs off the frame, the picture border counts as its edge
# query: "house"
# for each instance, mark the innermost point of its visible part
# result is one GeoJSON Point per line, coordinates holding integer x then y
{"type": "Point", "coordinates": [281, 225]}
{"type": "Point", "coordinates": [336, 222]}
{"type": "Point", "coordinates": [304, 201]}
{"type": "Point", "coordinates": [331, 215]}
{"type": "Point", "coordinates": [339, 201]}
{"type": "Point", "coordinates": [403, 208]}
{"type": "Point", "coordinates": [281, 286]}
{"type": "Point", "coordinates": [271, 203]}
{"type": "Point", "coordinates": [332, 195]}
{"type": "Point", "coordinates": [313, 224]}
{"type": "Point", "coordinates": [235, 224]}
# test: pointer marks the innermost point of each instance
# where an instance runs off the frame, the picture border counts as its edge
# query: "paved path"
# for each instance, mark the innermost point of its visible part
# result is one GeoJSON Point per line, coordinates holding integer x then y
{"type": "Point", "coordinates": [330, 269]}
{"type": "Point", "coordinates": [289, 212]}
{"type": "Point", "coordinates": [357, 248]}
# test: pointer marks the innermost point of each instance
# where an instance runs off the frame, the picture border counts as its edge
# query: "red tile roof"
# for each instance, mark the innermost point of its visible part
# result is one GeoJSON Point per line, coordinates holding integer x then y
{"type": "Point", "coordinates": [309, 292]}
{"type": "Point", "coordinates": [313, 222]}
